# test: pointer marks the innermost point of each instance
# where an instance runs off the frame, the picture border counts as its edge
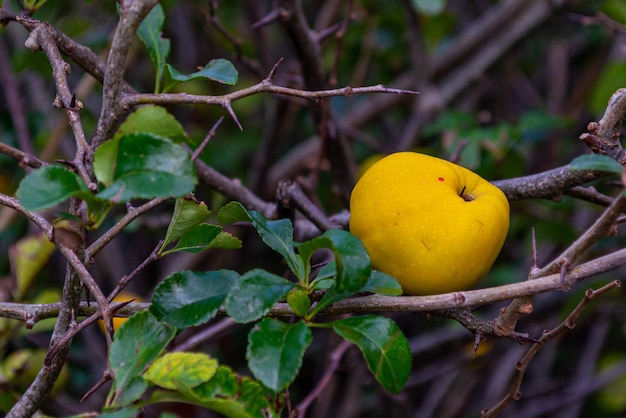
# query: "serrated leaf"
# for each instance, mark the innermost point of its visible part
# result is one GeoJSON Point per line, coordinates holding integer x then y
{"type": "Point", "coordinates": [220, 70]}
{"type": "Point", "coordinates": [48, 186]}
{"type": "Point", "coordinates": [139, 341]}
{"type": "Point", "coordinates": [278, 234]}
{"type": "Point", "coordinates": [254, 294]}
{"type": "Point", "coordinates": [384, 347]}
{"type": "Point", "coordinates": [225, 241]}
{"type": "Point", "coordinates": [596, 162]}
{"type": "Point", "coordinates": [149, 32]}
{"type": "Point", "coordinates": [187, 214]}
{"type": "Point", "coordinates": [227, 394]}
{"type": "Point", "coordinates": [188, 298]}
{"type": "Point", "coordinates": [275, 351]}
{"type": "Point", "coordinates": [149, 166]}
{"type": "Point", "coordinates": [155, 120]}
{"type": "Point", "coordinates": [181, 371]}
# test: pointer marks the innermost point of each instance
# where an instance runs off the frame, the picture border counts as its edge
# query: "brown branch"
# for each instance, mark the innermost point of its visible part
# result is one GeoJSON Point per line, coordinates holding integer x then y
{"type": "Point", "coordinates": [592, 235]}
{"type": "Point", "coordinates": [41, 37]}
{"type": "Point", "coordinates": [604, 136]}
{"type": "Point", "coordinates": [119, 226]}
{"type": "Point", "coordinates": [550, 184]}
{"type": "Point", "coordinates": [380, 303]}
{"type": "Point", "coordinates": [131, 15]}
{"type": "Point", "coordinates": [290, 195]}
{"type": "Point", "coordinates": [265, 86]}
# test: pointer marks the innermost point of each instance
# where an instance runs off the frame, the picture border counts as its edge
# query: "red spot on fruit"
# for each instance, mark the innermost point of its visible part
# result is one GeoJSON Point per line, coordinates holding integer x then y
{"type": "Point", "coordinates": [441, 179]}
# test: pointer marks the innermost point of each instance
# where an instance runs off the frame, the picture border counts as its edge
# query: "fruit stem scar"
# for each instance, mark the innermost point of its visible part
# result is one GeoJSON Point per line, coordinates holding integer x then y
{"type": "Point", "coordinates": [425, 245]}
{"type": "Point", "coordinates": [466, 197]}
{"type": "Point", "coordinates": [441, 179]}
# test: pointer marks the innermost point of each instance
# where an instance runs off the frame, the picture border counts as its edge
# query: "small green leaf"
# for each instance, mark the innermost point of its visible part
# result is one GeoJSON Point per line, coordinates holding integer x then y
{"type": "Point", "coordinates": [299, 301]}
{"type": "Point", "coordinates": [220, 70]}
{"type": "Point", "coordinates": [383, 284]}
{"type": "Point", "coordinates": [353, 264]}
{"type": "Point", "coordinates": [225, 241]}
{"type": "Point", "coordinates": [384, 346]}
{"type": "Point", "coordinates": [232, 212]}
{"type": "Point", "coordinates": [234, 396]}
{"type": "Point", "coordinates": [48, 186]}
{"type": "Point", "coordinates": [181, 371]}
{"type": "Point", "coordinates": [155, 120]}
{"type": "Point", "coordinates": [278, 235]}
{"type": "Point", "coordinates": [149, 166]}
{"type": "Point", "coordinates": [596, 162]}
{"type": "Point", "coordinates": [275, 351]}
{"type": "Point", "coordinates": [196, 240]}
{"type": "Point", "coordinates": [187, 214]}
{"type": "Point", "coordinates": [254, 294]}
{"type": "Point", "coordinates": [139, 341]}
{"type": "Point", "coordinates": [188, 298]}
{"type": "Point", "coordinates": [159, 48]}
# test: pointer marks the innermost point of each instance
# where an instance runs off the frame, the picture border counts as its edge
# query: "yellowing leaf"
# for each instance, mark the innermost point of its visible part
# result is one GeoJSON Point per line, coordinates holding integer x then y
{"type": "Point", "coordinates": [28, 257]}
{"type": "Point", "coordinates": [181, 371]}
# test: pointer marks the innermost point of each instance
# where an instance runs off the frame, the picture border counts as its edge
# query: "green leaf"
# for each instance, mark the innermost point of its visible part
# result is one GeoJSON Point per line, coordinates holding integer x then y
{"type": "Point", "coordinates": [227, 394]}
{"type": "Point", "coordinates": [48, 186]}
{"type": "Point", "coordinates": [225, 241]}
{"type": "Point", "coordinates": [28, 257]}
{"type": "Point", "coordinates": [139, 341]}
{"type": "Point", "coordinates": [149, 32]}
{"type": "Point", "coordinates": [275, 351]}
{"type": "Point", "coordinates": [188, 298]}
{"type": "Point", "coordinates": [187, 214]}
{"type": "Point", "coordinates": [198, 239]}
{"type": "Point", "coordinates": [149, 166]}
{"type": "Point", "coordinates": [384, 347]}
{"type": "Point", "coordinates": [220, 70]}
{"type": "Point", "coordinates": [232, 212]}
{"type": "Point", "coordinates": [383, 284]}
{"type": "Point", "coordinates": [155, 120]}
{"type": "Point", "coordinates": [254, 294]}
{"type": "Point", "coordinates": [104, 161]}
{"type": "Point", "coordinates": [278, 235]}
{"type": "Point", "coordinates": [122, 413]}
{"type": "Point", "coordinates": [596, 162]}
{"type": "Point", "coordinates": [299, 301]}
{"type": "Point", "coordinates": [133, 391]}
{"type": "Point", "coordinates": [181, 371]}
{"type": "Point", "coordinates": [353, 264]}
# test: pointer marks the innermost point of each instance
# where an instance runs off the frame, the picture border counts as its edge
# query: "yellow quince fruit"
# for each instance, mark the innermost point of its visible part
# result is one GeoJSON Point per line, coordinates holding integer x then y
{"type": "Point", "coordinates": [435, 226]}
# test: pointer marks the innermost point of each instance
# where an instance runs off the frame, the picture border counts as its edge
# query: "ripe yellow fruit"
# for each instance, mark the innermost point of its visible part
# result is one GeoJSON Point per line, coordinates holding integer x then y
{"type": "Point", "coordinates": [435, 226]}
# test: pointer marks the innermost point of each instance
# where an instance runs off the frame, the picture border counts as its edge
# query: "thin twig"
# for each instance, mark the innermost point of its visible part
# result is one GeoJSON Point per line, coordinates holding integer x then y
{"type": "Point", "coordinates": [330, 369]}
{"type": "Point", "coordinates": [522, 365]}
{"type": "Point", "coordinates": [592, 235]}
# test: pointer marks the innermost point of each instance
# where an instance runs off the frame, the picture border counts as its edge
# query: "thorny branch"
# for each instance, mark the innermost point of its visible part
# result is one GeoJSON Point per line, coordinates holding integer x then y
{"type": "Point", "coordinates": [522, 365]}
